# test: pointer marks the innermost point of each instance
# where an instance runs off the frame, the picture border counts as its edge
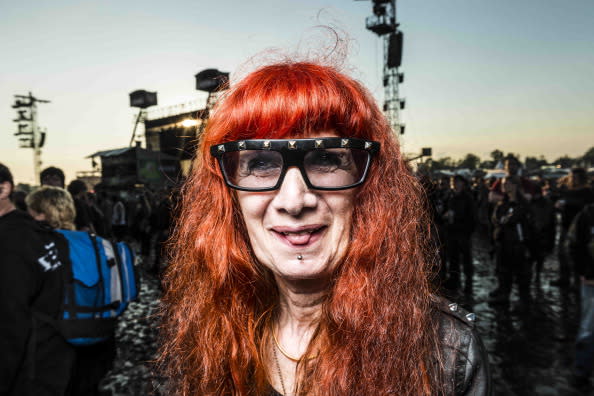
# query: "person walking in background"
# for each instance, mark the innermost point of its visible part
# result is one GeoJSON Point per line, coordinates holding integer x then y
{"type": "Point", "coordinates": [141, 224]}
{"type": "Point", "coordinates": [119, 220]}
{"type": "Point", "coordinates": [96, 214]}
{"type": "Point", "coordinates": [161, 219]}
{"type": "Point", "coordinates": [580, 245]}
{"type": "Point", "coordinates": [542, 214]}
{"type": "Point", "coordinates": [576, 194]}
{"type": "Point", "coordinates": [460, 219]}
{"type": "Point", "coordinates": [36, 359]}
{"type": "Point", "coordinates": [104, 203]}
{"type": "Point", "coordinates": [511, 230]}
{"type": "Point", "coordinates": [78, 190]}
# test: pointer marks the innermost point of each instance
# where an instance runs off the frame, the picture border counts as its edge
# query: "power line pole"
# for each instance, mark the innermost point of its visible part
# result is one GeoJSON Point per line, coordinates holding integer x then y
{"type": "Point", "coordinates": [29, 132]}
{"type": "Point", "coordinates": [383, 23]}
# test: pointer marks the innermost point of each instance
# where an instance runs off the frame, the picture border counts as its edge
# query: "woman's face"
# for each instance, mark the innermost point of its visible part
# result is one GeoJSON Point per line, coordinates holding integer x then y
{"type": "Point", "coordinates": [294, 222]}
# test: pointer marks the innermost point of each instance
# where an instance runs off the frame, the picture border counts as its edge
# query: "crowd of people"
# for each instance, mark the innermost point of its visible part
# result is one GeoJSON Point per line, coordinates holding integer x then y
{"type": "Point", "coordinates": [36, 359]}
{"type": "Point", "coordinates": [523, 220]}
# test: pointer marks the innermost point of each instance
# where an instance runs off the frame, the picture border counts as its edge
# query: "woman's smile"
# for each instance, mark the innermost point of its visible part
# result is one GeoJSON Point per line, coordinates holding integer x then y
{"type": "Point", "coordinates": [300, 236]}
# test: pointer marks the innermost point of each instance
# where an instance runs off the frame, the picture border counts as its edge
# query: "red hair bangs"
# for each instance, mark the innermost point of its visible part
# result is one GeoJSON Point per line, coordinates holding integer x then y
{"type": "Point", "coordinates": [291, 100]}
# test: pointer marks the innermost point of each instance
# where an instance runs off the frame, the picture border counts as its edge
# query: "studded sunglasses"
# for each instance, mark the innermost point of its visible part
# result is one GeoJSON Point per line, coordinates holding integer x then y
{"type": "Point", "coordinates": [326, 163]}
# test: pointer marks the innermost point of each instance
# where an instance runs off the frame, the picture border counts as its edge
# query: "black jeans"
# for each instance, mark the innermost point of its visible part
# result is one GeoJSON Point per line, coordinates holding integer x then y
{"type": "Point", "coordinates": [458, 246]}
{"type": "Point", "coordinates": [512, 265]}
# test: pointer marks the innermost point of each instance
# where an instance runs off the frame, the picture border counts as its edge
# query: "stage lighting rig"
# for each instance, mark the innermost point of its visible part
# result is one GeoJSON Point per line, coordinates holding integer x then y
{"type": "Point", "coordinates": [383, 23]}
{"type": "Point", "coordinates": [29, 133]}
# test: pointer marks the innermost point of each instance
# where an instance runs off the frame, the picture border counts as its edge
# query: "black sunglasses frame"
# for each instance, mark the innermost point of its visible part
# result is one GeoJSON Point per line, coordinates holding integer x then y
{"type": "Point", "coordinates": [293, 152]}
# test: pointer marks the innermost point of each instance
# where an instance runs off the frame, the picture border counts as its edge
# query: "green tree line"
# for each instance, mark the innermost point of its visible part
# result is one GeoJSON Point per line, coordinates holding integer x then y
{"type": "Point", "coordinates": [473, 161]}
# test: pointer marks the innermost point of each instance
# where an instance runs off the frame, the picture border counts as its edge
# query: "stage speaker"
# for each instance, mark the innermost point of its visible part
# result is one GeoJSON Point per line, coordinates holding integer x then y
{"type": "Point", "coordinates": [395, 49]}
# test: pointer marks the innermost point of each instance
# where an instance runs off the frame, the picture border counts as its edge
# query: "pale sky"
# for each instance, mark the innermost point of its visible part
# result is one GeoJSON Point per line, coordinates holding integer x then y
{"type": "Point", "coordinates": [516, 75]}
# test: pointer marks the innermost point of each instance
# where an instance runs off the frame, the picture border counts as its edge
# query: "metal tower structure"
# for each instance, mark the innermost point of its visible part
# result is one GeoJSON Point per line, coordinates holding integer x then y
{"type": "Point", "coordinates": [142, 100]}
{"type": "Point", "coordinates": [214, 82]}
{"type": "Point", "coordinates": [29, 132]}
{"type": "Point", "coordinates": [383, 23]}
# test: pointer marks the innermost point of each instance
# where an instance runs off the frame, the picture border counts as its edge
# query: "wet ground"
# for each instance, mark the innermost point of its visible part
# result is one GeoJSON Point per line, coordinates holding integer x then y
{"type": "Point", "coordinates": [530, 349]}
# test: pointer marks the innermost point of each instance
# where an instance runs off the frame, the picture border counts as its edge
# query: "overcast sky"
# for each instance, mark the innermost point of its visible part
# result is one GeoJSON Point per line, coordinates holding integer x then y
{"type": "Point", "coordinates": [516, 75]}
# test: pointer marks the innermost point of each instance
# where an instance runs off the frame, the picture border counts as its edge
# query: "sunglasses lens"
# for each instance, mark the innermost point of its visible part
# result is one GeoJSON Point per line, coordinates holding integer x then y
{"type": "Point", "coordinates": [257, 169]}
{"type": "Point", "coordinates": [335, 168]}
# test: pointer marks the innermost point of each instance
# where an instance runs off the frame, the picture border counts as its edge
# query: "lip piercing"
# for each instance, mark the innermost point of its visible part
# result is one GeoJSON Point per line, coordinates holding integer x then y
{"type": "Point", "coordinates": [299, 257]}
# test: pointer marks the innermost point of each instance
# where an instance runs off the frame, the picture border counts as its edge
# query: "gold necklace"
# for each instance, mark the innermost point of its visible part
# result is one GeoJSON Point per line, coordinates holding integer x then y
{"type": "Point", "coordinates": [278, 369]}
{"type": "Point", "coordinates": [280, 348]}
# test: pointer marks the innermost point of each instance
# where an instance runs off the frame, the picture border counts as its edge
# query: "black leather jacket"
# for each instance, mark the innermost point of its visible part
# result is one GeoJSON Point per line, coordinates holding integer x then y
{"type": "Point", "coordinates": [466, 364]}
{"type": "Point", "coordinates": [465, 359]}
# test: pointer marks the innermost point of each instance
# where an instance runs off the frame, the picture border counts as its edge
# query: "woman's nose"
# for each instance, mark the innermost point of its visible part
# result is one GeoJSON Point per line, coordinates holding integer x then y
{"type": "Point", "coordinates": [294, 196]}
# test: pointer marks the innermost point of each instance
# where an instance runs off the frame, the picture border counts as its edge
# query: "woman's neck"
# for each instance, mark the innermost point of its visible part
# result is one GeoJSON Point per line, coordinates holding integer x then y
{"type": "Point", "coordinates": [300, 308]}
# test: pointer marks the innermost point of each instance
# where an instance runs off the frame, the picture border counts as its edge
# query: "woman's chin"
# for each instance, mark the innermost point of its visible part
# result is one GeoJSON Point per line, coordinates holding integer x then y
{"type": "Point", "coordinates": [304, 270]}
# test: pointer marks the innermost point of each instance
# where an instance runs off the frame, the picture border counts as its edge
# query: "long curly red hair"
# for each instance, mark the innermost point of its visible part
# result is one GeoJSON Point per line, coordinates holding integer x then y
{"type": "Point", "coordinates": [375, 333]}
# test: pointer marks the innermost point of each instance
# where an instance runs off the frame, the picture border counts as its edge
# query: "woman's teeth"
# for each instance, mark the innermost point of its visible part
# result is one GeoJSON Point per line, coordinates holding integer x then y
{"type": "Point", "coordinates": [298, 232]}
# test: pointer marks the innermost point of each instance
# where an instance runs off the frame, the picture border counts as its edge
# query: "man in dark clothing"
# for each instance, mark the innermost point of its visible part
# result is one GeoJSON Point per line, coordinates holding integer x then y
{"type": "Point", "coordinates": [36, 359]}
{"type": "Point", "coordinates": [572, 200]}
{"type": "Point", "coordinates": [580, 238]}
{"type": "Point", "coordinates": [160, 223]}
{"type": "Point", "coordinates": [511, 232]}
{"type": "Point", "coordinates": [78, 190]}
{"type": "Point", "coordinates": [437, 193]}
{"type": "Point", "coordinates": [459, 223]}
{"type": "Point", "coordinates": [542, 214]}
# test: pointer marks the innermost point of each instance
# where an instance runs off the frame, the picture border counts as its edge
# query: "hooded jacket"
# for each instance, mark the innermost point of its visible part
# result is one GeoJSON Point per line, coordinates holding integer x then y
{"type": "Point", "coordinates": [35, 358]}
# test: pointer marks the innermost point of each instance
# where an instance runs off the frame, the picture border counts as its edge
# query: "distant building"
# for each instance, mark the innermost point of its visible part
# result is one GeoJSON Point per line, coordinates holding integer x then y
{"type": "Point", "coordinates": [130, 167]}
{"type": "Point", "coordinates": [175, 131]}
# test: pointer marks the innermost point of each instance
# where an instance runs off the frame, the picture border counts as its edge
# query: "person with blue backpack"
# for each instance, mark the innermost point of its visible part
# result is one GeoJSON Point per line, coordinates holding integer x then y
{"type": "Point", "coordinates": [35, 359]}
{"type": "Point", "coordinates": [98, 284]}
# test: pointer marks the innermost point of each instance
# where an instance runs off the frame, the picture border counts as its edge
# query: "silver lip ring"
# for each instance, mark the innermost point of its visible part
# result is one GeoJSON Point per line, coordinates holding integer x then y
{"type": "Point", "coordinates": [299, 257]}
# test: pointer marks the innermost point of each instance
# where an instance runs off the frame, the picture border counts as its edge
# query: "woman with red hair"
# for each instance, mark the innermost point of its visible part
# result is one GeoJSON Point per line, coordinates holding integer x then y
{"type": "Point", "coordinates": [300, 260]}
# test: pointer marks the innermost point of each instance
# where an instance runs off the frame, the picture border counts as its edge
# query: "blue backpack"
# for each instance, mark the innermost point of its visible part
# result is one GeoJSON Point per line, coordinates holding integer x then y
{"type": "Point", "coordinates": [100, 281]}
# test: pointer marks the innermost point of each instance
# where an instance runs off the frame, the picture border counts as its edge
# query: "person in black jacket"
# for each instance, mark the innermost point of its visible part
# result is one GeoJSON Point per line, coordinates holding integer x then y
{"type": "Point", "coordinates": [460, 222]}
{"type": "Point", "coordinates": [55, 207]}
{"type": "Point", "coordinates": [83, 221]}
{"type": "Point", "coordinates": [36, 360]}
{"type": "Point", "coordinates": [542, 242]}
{"type": "Point", "coordinates": [580, 238]}
{"type": "Point", "coordinates": [572, 199]}
{"type": "Point", "coordinates": [511, 233]}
